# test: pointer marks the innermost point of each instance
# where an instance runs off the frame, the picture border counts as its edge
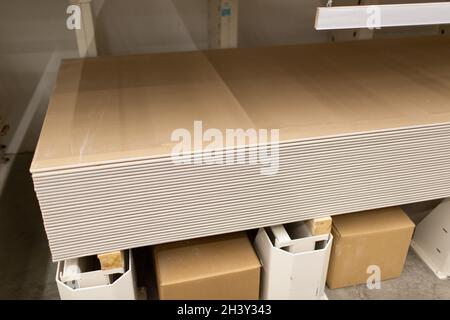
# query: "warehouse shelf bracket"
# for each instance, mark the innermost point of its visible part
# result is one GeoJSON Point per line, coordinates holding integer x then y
{"type": "Point", "coordinates": [223, 23]}
{"type": "Point", "coordinates": [87, 46]}
{"type": "Point", "coordinates": [431, 240]}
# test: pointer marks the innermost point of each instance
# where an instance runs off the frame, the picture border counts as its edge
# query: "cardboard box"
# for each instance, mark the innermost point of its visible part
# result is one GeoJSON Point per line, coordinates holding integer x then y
{"type": "Point", "coordinates": [112, 260]}
{"type": "Point", "coordinates": [213, 268]}
{"type": "Point", "coordinates": [319, 226]}
{"type": "Point", "coordinates": [370, 238]}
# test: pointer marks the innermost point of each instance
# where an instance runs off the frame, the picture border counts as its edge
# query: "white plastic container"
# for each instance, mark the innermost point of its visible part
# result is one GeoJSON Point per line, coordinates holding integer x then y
{"type": "Point", "coordinates": [431, 240]}
{"type": "Point", "coordinates": [294, 263]}
{"type": "Point", "coordinates": [97, 284]}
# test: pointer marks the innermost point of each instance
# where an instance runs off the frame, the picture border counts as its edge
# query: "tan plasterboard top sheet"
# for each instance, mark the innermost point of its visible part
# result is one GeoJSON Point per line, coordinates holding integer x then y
{"type": "Point", "coordinates": [112, 109]}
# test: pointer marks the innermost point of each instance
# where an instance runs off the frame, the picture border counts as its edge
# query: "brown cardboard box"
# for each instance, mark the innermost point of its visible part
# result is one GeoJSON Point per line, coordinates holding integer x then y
{"type": "Point", "coordinates": [219, 267]}
{"type": "Point", "coordinates": [319, 226]}
{"type": "Point", "coordinates": [376, 237]}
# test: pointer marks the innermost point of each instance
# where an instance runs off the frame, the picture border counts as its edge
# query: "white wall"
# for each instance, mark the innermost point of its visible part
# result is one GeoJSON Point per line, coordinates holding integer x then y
{"type": "Point", "coordinates": [141, 26]}
{"type": "Point", "coordinates": [269, 22]}
{"type": "Point", "coordinates": [33, 38]}
{"type": "Point", "coordinates": [31, 30]}
{"type": "Point", "coordinates": [30, 33]}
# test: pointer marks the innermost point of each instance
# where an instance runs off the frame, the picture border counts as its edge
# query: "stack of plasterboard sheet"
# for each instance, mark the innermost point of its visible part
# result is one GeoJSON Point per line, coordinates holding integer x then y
{"type": "Point", "coordinates": [362, 125]}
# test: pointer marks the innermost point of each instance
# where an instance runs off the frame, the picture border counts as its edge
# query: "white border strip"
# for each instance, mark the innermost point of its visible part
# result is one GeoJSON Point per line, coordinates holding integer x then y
{"type": "Point", "coordinates": [378, 16]}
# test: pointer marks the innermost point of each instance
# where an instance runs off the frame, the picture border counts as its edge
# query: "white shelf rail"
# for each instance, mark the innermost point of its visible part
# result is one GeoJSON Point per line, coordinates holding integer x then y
{"type": "Point", "coordinates": [378, 16]}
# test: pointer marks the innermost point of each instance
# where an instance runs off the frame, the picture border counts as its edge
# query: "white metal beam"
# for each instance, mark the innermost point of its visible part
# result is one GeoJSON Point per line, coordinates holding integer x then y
{"type": "Point", "coordinates": [353, 34]}
{"type": "Point", "coordinates": [223, 23]}
{"type": "Point", "coordinates": [87, 45]}
{"type": "Point", "coordinates": [378, 16]}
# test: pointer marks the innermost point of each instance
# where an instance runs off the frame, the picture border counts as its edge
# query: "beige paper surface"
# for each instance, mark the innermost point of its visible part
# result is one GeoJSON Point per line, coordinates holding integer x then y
{"type": "Point", "coordinates": [111, 109]}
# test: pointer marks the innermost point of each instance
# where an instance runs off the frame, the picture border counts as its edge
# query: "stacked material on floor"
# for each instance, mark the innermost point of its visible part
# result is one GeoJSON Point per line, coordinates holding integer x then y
{"type": "Point", "coordinates": [362, 125]}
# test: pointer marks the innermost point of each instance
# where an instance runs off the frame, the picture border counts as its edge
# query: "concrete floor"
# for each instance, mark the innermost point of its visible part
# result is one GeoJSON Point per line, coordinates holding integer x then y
{"type": "Point", "coordinates": [28, 273]}
{"type": "Point", "coordinates": [416, 282]}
